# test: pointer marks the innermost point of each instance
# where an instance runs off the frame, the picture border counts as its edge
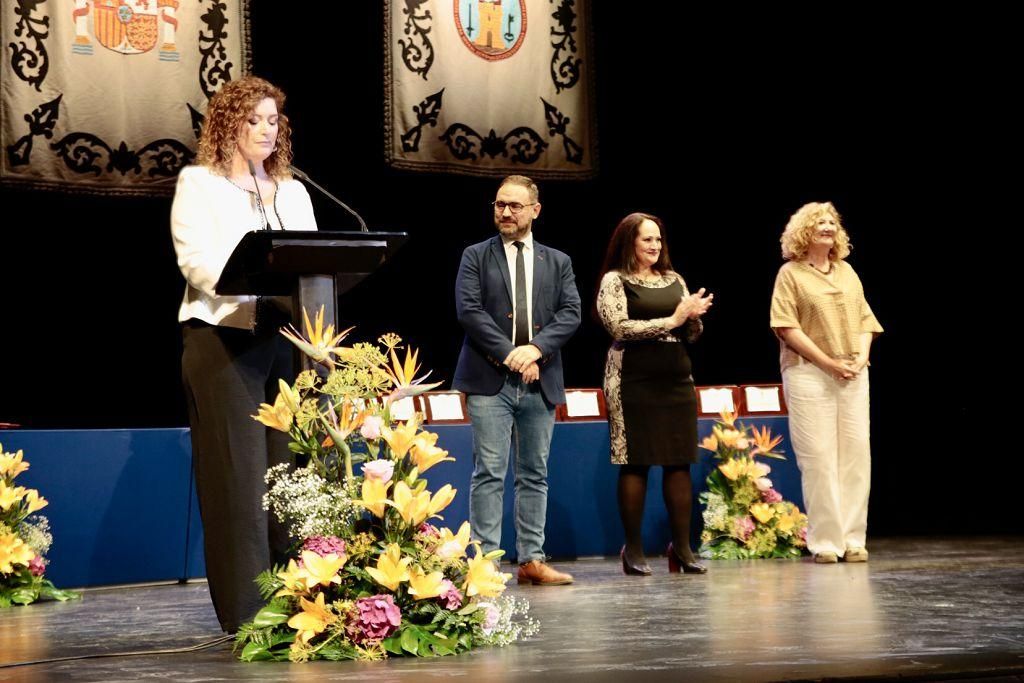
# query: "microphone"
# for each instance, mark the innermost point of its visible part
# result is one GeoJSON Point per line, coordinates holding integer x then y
{"type": "Point", "coordinates": [259, 198]}
{"type": "Point", "coordinates": [303, 176]}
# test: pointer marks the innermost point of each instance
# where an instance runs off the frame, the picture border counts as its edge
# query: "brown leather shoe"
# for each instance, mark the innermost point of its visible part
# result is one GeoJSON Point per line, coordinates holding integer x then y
{"type": "Point", "coordinates": [540, 574]}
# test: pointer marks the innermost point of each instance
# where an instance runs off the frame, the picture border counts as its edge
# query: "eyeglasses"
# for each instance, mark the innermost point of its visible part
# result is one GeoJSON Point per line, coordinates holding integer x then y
{"type": "Point", "coordinates": [514, 207]}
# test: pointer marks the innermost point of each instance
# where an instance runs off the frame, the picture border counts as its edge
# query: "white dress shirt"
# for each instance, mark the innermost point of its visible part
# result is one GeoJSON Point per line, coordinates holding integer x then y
{"type": "Point", "coordinates": [209, 217]}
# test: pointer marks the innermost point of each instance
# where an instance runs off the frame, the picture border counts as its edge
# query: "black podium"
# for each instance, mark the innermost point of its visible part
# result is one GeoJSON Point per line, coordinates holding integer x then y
{"type": "Point", "coordinates": [314, 267]}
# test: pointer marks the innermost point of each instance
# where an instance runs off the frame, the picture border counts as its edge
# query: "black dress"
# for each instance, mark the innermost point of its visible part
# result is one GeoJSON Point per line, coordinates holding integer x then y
{"type": "Point", "coordinates": [648, 383]}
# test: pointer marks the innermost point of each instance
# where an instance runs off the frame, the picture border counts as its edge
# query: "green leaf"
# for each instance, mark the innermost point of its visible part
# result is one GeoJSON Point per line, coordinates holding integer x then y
{"type": "Point", "coordinates": [273, 614]}
{"type": "Point", "coordinates": [468, 609]}
{"type": "Point", "coordinates": [52, 592]}
{"type": "Point", "coordinates": [410, 640]}
{"type": "Point", "coordinates": [392, 644]}
{"type": "Point", "coordinates": [255, 652]}
{"type": "Point", "coordinates": [24, 596]}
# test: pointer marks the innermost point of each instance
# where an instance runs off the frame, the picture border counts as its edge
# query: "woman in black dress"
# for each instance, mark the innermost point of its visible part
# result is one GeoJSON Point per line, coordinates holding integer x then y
{"type": "Point", "coordinates": [652, 407]}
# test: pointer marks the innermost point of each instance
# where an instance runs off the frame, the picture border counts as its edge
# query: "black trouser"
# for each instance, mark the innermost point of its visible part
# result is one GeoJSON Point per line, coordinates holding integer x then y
{"type": "Point", "coordinates": [227, 373]}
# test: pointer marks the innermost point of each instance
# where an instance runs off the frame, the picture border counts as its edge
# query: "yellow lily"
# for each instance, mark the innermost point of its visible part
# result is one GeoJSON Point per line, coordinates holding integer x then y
{"type": "Point", "coordinates": [322, 570]}
{"type": "Point", "coordinates": [314, 618]}
{"type": "Point", "coordinates": [9, 495]}
{"type": "Point", "coordinates": [277, 416]}
{"type": "Point", "coordinates": [710, 443]}
{"type": "Point", "coordinates": [727, 417]}
{"type": "Point", "coordinates": [294, 578]}
{"type": "Point", "coordinates": [402, 375]}
{"type": "Point", "coordinates": [290, 396]}
{"type": "Point", "coordinates": [35, 501]}
{"type": "Point", "coordinates": [763, 512]}
{"type": "Point", "coordinates": [733, 468]}
{"type": "Point", "coordinates": [785, 523]}
{"type": "Point", "coordinates": [11, 464]}
{"type": "Point", "coordinates": [400, 439]}
{"type": "Point", "coordinates": [392, 569]}
{"type": "Point", "coordinates": [731, 438]}
{"type": "Point", "coordinates": [318, 343]}
{"type": "Point", "coordinates": [426, 457]}
{"type": "Point", "coordinates": [451, 545]}
{"type": "Point", "coordinates": [764, 444]}
{"type": "Point", "coordinates": [423, 586]}
{"type": "Point", "coordinates": [13, 551]}
{"type": "Point", "coordinates": [483, 578]}
{"type": "Point", "coordinates": [415, 508]}
{"type": "Point", "coordinates": [375, 496]}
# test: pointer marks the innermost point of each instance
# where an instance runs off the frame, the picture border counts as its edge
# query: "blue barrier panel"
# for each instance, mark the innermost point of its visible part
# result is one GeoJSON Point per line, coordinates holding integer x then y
{"type": "Point", "coordinates": [118, 501]}
{"type": "Point", "coordinates": [123, 507]}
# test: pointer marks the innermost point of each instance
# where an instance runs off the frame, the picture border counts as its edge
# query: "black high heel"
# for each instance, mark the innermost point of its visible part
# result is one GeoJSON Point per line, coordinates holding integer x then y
{"type": "Point", "coordinates": [677, 564]}
{"type": "Point", "coordinates": [631, 569]}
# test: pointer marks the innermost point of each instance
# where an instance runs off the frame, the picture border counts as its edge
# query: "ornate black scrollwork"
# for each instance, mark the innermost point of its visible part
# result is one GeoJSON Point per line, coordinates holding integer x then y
{"type": "Point", "coordinates": [30, 64]}
{"type": "Point", "coordinates": [565, 72]}
{"type": "Point", "coordinates": [87, 153]}
{"type": "Point", "coordinates": [417, 51]}
{"type": "Point", "coordinates": [197, 120]}
{"type": "Point", "coordinates": [522, 144]}
{"type": "Point", "coordinates": [40, 122]}
{"type": "Point", "coordinates": [558, 123]}
{"type": "Point", "coordinates": [214, 68]}
{"type": "Point", "coordinates": [426, 112]}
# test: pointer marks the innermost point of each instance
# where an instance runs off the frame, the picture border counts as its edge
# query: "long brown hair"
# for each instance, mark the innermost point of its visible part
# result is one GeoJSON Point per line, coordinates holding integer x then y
{"type": "Point", "coordinates": [228, 109]}
{"type": "Point", "coordinates": [621, 254]}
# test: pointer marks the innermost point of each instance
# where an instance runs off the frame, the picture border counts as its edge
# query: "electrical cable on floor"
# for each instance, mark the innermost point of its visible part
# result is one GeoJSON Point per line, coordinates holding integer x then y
{"type": "Point", "coordinates": [138, 653]}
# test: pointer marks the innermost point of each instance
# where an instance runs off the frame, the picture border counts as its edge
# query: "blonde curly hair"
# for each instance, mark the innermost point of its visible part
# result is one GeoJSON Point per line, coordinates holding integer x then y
{"type": "Point", "coordinates": [227, 111]}
{"type": "Point", "coordinates": [799, 232]}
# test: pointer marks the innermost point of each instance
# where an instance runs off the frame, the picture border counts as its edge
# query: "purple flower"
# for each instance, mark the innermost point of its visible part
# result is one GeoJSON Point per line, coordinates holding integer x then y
{"type": "Point", "coordinates": [37, 565]}
{"type": "Point", "coordinates": [377, 618]}
{"type": "Point", "coordinates": [450, 596]}
{"type": "Point", "coordinates": [771, 496]}
{"type": "Point", "coordinates": [381, 470]}
{"type": "Point", "coordinates": [491, 617]}
{"type": "Point", "coordinates": [371, 428]}
{"type": "Point", "coordinates": [325, 545]}
{"type": "Point", "coordinates": [429, 530]}
{"type": "Point", "coordinates": [742, 527]}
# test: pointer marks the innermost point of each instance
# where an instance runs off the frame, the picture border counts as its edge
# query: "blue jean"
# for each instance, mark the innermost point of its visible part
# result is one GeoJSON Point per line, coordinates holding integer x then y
{"type": "Point", "coordinates": [516, 419]}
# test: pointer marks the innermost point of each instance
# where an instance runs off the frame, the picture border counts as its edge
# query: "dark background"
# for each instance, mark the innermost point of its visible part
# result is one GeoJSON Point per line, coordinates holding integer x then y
{"type": "Point", "coordinates": [722, 125]}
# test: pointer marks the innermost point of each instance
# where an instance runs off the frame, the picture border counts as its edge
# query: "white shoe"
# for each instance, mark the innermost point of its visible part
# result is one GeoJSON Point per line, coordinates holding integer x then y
{"type": "Point", "coordinates": [855, 555]}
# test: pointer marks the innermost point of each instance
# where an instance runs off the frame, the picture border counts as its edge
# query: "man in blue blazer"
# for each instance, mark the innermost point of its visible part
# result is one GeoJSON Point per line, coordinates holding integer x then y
{"type": "Point", "coordinates": [517, 302]}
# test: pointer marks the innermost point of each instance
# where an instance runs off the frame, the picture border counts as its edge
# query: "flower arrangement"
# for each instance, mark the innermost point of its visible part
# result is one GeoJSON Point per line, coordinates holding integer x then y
{"type": "Point", "coordinates": [744, 516]}
{"type": "Point", "coordinates": [24, 539]}
{"type": "Point", "coordinates": [371, 575]}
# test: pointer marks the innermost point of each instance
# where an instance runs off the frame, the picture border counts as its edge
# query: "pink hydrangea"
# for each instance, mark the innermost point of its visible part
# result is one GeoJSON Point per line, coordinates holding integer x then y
{"type": "Point", "coordinates": [325, 545]}
{"type": "Point", "coordinates": [371, 428]}
{"type": "Point", "coordinates": [377, 617]}
{"type": "Point", "coordinates": [450, 596]}
{"type": "Point", "coordinates": [37, 565]}
{"type": "Point", "coordinates": [381, 470]}
{"type": "Point", "coordinates": [742, 527]}
{"type": "Point", "coordinates": [771, 496]}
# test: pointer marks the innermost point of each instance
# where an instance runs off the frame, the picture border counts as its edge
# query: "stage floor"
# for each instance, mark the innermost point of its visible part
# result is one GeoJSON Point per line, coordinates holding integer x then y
{"type": "Point", "coordinates": [921, 609]}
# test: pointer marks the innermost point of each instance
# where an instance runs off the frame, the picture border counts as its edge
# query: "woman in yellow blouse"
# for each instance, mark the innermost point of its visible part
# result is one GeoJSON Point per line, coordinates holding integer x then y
{"type": "Point", "coordinates": [825, 328]}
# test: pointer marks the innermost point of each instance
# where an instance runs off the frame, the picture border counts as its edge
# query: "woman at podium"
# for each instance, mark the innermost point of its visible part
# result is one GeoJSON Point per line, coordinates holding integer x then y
{"type": "Point", "coordinates": [233, 354]}
{"type": "Point", "coordinates": [825, 328]}
{"type": "Point", "coordinates": [652, 407]}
